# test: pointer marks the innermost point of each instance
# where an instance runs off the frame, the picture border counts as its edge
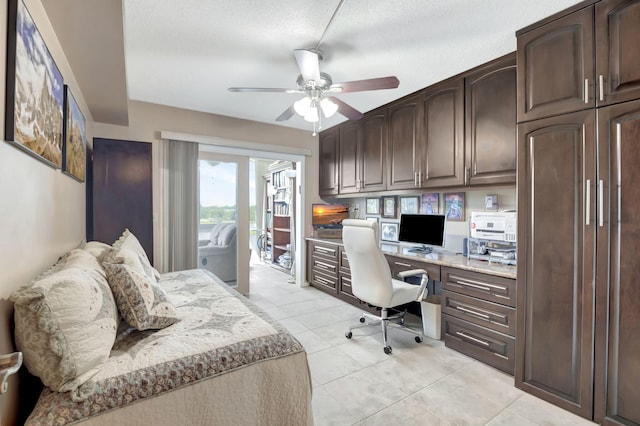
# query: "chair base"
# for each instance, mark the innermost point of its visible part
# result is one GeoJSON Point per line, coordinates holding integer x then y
{"type": "Point", "coordinates": [384, 319]}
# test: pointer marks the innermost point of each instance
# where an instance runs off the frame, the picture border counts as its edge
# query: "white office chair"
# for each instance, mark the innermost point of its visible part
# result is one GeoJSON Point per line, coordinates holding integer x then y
{"type": "Point", "coordinates": [371, 279]}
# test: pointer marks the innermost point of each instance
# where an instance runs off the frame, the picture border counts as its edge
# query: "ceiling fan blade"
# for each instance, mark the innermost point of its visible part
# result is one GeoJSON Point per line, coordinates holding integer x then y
{"type": "Point", "coordinates": [391, 82]}
{"type": "Point", "coordinates": [287, 114]}
{"type": "Point", "coordinates": [309, 64]}
{"type": "Point", "coordinates": [263, 89]}
{"type": "Point", "coordinates": [347, 110]}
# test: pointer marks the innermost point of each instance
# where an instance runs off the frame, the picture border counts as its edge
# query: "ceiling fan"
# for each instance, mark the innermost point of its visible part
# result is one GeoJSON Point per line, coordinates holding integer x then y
{"type": "Point", "coordinates": [318, 88]}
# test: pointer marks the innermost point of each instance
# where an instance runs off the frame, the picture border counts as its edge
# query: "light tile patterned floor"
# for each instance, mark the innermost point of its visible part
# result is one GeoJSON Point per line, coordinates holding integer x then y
{"type": "Point", "coordinates": [355, 383]}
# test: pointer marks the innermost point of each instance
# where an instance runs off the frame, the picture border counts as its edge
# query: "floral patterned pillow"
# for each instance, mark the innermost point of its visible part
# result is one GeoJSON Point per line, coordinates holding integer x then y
{"type": "Point", "coordinates": [128, 241]}
{"type": "Point", "coordinates": [141, 302]}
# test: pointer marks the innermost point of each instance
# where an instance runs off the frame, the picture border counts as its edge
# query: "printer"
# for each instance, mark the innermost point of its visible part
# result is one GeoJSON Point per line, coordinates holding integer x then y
{"type": "Point", "coordinates": [492, 236]}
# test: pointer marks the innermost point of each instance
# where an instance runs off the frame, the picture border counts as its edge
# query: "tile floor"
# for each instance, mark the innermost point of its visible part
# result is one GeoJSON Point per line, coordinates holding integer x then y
{"type": "Point", "coordinates": [355, 383]}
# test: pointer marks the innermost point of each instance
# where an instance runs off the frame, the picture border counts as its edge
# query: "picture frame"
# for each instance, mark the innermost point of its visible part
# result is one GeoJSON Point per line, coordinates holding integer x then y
{"type": "Point", "coordinates": [389, 207]}
{"type": "Point", "coordinates": [34, 112]}
{"type": "Point", "coordinates": [74, 157]}
{"type": "Point", "coordinates": [430, 203]}
{"type": "Point", "coordinates": [372, 206]}
{"type": "Point", "coordinates": [389, 231]}
{"type": "Point", "coordinates": [372, 219]}
{"type": "Point", "coordinates": [454, 206]}
{"type": "Point", "coordinates": [409, 205]}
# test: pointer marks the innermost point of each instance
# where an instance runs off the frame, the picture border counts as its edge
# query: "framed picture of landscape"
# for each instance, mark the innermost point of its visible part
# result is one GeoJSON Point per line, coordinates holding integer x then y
{"type": "Point", "coordinates": [75, 139]}
{"type": "Point", "coordinates": [35, 90]}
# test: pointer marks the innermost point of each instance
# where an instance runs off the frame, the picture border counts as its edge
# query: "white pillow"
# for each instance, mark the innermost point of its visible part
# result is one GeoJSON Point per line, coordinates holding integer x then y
{"type": "Point", "coordinates": [66, 322]}
{"type": "Point", "coordinates": [128, 241]}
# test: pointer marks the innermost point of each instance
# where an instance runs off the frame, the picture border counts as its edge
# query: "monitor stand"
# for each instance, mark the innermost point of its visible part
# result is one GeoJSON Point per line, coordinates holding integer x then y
{"type": "Point", "coordinates": [421, 249]}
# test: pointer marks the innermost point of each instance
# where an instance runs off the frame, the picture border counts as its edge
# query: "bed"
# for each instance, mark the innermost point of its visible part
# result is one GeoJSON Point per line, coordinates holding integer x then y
{"type": "Point", "coordinates": [224, 362]}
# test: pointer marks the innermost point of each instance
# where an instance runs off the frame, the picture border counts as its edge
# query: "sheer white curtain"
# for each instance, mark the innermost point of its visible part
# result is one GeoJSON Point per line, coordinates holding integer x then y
{"type": "Point", "coordinates": [181, 205]}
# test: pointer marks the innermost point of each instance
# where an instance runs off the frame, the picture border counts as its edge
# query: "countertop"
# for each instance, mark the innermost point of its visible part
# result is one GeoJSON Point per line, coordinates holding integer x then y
{"type": "Point", "coordinates": [443, 258]}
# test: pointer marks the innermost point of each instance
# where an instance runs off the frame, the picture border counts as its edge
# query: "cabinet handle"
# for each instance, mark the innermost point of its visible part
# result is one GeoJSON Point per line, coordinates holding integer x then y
{"type": "Point", "coordinates": [472, 312]}
{"type": "Point", "coordinates": [420, 178]}
{"type": "Point", "coordinates": [478, 284]}
{"type": "Point", "coordinates": [587, 197]}
{"type": "Point", "coordinates": [406, 265]}
{"type": "Point", "coordinates": [475, 167]}
{"type": "Point", "coordinates": [601, 84]}
{"type": "Point", "coordinates": [466, 336]}
{"type": "Point", "coordinates": [600, 203]}
{"type": "Point", "coordinates": [466, 175]}
{"type": "Point", "coordinates": [586, 90]}
{"type": "Point", "coordinates": [325, 250]}
{"type": "Point", "coordinates": [324, 265]}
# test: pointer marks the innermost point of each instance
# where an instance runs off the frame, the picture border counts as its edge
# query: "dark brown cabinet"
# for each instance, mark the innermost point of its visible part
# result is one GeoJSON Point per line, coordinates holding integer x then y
{"type": "Point", "coordinates": [479, 316]}
{"type": "Point", "coordinates": [617, 342]}
{"type": "Point", "coordinates": [580, 58]}
{"type": "Point", "coordinates": [490, 123]}
{"type": "Point", "coordinates": [328, 162]}
{"type": "Point", "coordinates": [361, 161]}
{"type": "Point", "coordinates": [403, 144]}
{"type": "Point", "coordinates": [556, 243]}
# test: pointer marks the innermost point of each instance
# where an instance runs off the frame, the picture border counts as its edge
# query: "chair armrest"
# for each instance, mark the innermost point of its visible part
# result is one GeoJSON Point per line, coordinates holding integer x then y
{"type": "Point", "coordinates": [423, 282]}
{"type": "Point", "coordinates": [203, 242]}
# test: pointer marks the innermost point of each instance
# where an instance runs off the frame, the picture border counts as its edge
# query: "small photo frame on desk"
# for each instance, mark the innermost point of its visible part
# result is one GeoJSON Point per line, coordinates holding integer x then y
{"type": "Point", "coordinates": [389, 231]}
{"type": "Point", "coordinates": [389, 207]}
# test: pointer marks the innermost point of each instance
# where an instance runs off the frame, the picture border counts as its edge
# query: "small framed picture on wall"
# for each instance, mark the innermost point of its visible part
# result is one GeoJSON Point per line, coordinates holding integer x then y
{"type": "Point", "coordinates": [409, 205]}
{"type": "Point", "coordinates": [389, 231]}
{"type": "Point", "coordinates": [373, 206]}
{"type": "Point", "coordinates": [389, 207]}
{"type": "Point", "coordinates": [430, 203]}
{"type": "Point", "coordinates": [454, 206]}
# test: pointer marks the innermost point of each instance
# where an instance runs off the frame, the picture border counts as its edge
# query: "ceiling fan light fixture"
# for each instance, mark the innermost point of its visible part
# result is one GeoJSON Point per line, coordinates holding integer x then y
{"type": "Point", "coordinates": [312, 115]}
{"type": "Point", "coordinates": [328, 107]}
{"type": "Point", "coordinates": [302, 106]}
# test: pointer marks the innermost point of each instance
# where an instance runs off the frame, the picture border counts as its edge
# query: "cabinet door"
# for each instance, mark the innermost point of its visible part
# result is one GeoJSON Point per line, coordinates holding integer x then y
{"type": "Point", "coordinates": [402, 157]}
{"type": "Point", "coordinates": [442, 124]}
{"type": "Point", "coordinates": [556, 251]}
{"type": "Point", "coordinates": [490, 123]}
{"type": "Point", "coordinates": [618, 62]}
{"type": "Point", "coordinates": [349, 163]}
{"type": "Point", "coordinates": [374, 145]}
{"type": "Point", "coordinates": [328, 162]}
{"type": "Point", "coordinates": [617, 395]}
{"type": "Point", "coordinates": [555, 67]}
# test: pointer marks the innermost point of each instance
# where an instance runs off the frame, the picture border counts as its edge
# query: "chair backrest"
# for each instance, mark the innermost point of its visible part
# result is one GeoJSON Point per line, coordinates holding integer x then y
{"type": "Point", "coordinates": [370, 273]}
{"type": "Point", "coordinates": [223, 234]}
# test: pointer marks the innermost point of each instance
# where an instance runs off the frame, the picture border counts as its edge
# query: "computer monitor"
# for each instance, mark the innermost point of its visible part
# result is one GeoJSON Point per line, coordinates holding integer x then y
{"type": "Point", "coordinates": [425, 229]}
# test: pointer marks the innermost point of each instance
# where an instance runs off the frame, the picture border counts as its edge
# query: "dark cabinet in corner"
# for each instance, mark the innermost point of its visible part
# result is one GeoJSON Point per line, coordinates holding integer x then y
{"type": "Point", "coordinates": [490, 123]}
{"type": "Point", "coordinates": [328, 162]}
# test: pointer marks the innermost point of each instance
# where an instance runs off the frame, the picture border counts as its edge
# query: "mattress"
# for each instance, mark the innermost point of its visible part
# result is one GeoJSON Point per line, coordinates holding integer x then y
{"type": "Point", "coordinates": [224, 362]}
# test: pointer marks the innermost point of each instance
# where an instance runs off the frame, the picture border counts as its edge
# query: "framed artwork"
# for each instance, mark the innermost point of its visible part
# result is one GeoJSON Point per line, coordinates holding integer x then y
{"type": "Point", "coordinates": [373, 206]}
{"type": "Point", "coordinates": [75, 138]}
{"type": "Point", "coordinates": [409, 205]}
{"type": "Point", "coordinates": [389, 231]}
{"type": "Point", "coordinates": [454, 206]}
{"type": "Point", "coordinates": [430, 203]}
{"type": "Point", "coordinates": [389, 207]}
{"type": "Point", "coordinates": [35, 90]}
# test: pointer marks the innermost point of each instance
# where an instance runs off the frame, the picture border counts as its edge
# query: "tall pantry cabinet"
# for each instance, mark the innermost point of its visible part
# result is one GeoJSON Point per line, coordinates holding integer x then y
{"type": "Point", "coordinates": [578, 210]}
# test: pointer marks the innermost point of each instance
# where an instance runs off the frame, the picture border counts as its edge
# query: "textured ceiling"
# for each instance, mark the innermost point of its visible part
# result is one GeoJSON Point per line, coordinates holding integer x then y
{"type": "Point", "coordinates": [187, 53]}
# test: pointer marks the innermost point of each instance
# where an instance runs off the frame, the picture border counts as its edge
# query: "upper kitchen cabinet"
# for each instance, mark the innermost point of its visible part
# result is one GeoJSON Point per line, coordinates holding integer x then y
{"type": "Point", "coordinates": [556, 65]}
{"type": "Point", "coordinates": [441, 127]}
{"type": "Point", "coordinates": [328, 162]}
{"type": "Point", "coordinates": [402, 152]}
{"type": "Point", "coordinates": [490, 122]}
{"type": "Point", "coordinates": [362, 154]}
{"type": "Point", "coordinates": [617, 59]}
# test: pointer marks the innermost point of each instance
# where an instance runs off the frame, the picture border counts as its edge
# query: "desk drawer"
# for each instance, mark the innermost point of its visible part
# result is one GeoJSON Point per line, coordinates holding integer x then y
{"type": "Point", "coordinates": [488, 346]}
{"type": "Point", "coordinates": [399, 264]}
{"type": "Point", "coordinates": [487, 314]}
{"type": "Point", "coordinates": [487, 287]}
{"type": "Point", "coordinates": [324, 251]}
{"type": "Point", "coordinates": [324, 281]}
{"type": "Point", "coordinates": [325, 266]}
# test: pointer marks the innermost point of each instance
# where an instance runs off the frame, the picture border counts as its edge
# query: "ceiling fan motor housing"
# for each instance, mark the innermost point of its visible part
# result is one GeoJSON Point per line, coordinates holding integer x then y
{"type": "Point", "coordinates": [323, 84]}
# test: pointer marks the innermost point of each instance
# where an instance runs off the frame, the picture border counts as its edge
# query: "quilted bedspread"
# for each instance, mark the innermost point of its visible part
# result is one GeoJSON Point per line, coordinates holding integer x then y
{"type": "Point", "coordinates": [219, 331]}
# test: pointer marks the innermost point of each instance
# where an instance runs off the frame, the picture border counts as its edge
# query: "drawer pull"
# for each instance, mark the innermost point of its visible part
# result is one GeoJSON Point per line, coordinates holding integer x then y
{"type": "Point", "coordinates": [471, 312]}
{"type": "Point", "coordinates": [478, 284]}
{"type": "Point", "coordinates": [324, 281]}
{"type": "Point", "coordinates": [346, 279]}
{"type": "Point", "coordinates": [324, 265]}
{"type": "Point", "coordinates": [466, 336]}
{"type": "Point", "coordinates": [324, 249]}
{"type": "Point", "coordinates": [406, 265]}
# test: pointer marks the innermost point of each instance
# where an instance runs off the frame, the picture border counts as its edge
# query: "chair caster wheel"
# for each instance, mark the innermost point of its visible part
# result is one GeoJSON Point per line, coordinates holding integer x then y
{"type": "Point", "coordinates": [418, 339]}
{"type": "Point", "coordinates": [387, 350]}
{"type": "Point", "coordinates": [348, 335]}
{"type": "Point", "coordinates": [362, 319]}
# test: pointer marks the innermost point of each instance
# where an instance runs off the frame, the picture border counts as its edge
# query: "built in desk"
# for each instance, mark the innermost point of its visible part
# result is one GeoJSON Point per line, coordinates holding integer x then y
{"type": "Point", "coordinates": [478, 298]}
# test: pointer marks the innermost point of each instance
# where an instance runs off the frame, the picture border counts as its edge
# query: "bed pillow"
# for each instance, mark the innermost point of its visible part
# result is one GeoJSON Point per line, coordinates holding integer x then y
{"type": "Point", "coordinates": [128, 241]}
{"type": "Point", "coordinates": [96, 248]}
{"type": "Point", "coordinates": [141, 302]}
{"type": "Point", "coordinates": [66, 322]}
